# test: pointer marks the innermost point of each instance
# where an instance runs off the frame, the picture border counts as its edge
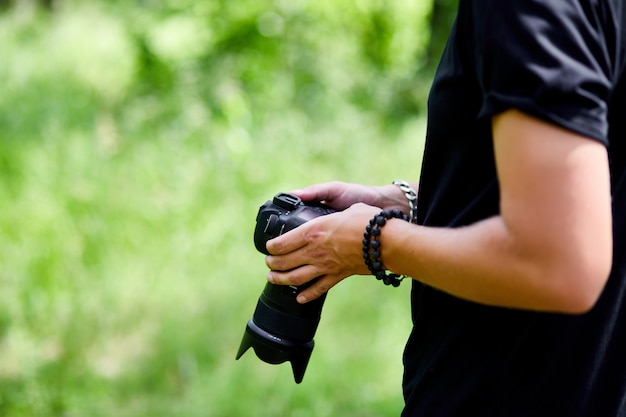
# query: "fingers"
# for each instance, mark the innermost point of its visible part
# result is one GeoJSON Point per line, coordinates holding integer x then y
{"type": "Point", "coordinates": [319, 192]}
{"type": "Point", "coordinates": [298, 277]}
{"type": "Point", "coordinates": [319, 288]}
{"type": "Point", "coordinates": [287, 243]}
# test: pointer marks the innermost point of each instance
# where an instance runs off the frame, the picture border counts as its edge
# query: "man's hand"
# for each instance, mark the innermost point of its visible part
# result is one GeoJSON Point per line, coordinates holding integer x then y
{"type": "Point", "coordinates": [341, 195]}
{"type": "Point", "coordinates": [328, 247]}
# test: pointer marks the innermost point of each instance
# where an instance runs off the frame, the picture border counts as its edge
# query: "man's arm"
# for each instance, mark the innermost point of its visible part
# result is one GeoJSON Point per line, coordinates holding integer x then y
{"type": "Point", "coordinates": [550, 249]}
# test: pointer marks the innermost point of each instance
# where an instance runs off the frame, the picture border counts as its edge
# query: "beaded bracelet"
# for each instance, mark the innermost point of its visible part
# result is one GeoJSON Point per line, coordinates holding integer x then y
{"type": "Point", "coordinates": [371, 247]}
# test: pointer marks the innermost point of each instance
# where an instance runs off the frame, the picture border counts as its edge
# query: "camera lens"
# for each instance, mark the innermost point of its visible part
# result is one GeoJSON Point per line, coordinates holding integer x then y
{"type": "Point", "coordinates": [279, 313]}
{"type": "Point", "coordinates": [281, 329]}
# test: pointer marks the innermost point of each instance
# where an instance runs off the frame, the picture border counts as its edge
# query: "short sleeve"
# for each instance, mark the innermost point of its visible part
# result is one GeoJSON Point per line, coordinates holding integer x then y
{"type": "Point", "coordinates": [550, 59]}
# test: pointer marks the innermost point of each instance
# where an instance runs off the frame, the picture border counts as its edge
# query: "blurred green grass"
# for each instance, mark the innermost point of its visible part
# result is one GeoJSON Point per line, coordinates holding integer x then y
{"type": "Point", "coordinates": [130, 178]}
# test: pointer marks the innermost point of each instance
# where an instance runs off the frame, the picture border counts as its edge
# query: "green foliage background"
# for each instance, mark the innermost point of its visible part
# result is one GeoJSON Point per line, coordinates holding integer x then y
{"type": "Point", "coordinates": [137, 141]}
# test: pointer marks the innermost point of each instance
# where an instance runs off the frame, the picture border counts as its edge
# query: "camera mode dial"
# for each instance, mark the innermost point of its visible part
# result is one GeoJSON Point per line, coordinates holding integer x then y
{"type": "Point", "coordinates": [287, 201]}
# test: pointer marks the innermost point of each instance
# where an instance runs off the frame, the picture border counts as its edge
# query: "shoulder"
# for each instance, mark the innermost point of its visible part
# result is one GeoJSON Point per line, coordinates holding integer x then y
{"type": "Point", "coordinates": [555, 60]}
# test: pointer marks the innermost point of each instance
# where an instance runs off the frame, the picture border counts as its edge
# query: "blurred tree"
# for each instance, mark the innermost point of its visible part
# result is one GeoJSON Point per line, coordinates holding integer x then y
{"type": "Point", "coordinates": [376, 37]}
{"type": "Point", "coordinates": [441, 18]}
{"type": "Point", "coordinates": [409, 97]}
{"type": "Point", "coordinates": [46, 4]}
{"type": "Point", "coordinates": [268, 55]}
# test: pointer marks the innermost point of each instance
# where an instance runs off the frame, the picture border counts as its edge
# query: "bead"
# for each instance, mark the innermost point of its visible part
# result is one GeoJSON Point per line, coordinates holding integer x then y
{"type": "Point", "coordinates": [371, 247]}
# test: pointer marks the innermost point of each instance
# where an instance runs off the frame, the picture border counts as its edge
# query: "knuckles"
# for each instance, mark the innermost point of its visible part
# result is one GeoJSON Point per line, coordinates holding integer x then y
{"type": "Point", "coordinates": [272, 246]}
{"type": "Point", "coordinates": [296, 280]}
{"type": "Point", "coordinates": [321, 290]}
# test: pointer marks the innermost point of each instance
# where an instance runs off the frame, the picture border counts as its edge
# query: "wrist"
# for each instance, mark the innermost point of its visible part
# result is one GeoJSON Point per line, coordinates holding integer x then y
{"type": "Point", "coordinates": [391, 198]}
{"type": "Point", "coordinates": [410, 196]}
{"type": "Point", "coordinates": [372, 247]}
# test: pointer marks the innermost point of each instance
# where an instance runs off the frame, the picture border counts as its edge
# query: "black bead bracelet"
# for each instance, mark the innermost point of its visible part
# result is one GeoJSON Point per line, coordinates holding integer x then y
{"type": "Point", "coordinates": [371, 247]}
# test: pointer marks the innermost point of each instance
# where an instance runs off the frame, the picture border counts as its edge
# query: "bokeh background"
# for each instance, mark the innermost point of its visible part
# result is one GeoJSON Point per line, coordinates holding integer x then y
{"type": "Point", "coordinates": [138, 140]}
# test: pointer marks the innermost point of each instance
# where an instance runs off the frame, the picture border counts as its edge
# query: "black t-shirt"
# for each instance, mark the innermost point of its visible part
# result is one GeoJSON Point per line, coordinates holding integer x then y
{"type": "Point", "coordinates": [562, 61]}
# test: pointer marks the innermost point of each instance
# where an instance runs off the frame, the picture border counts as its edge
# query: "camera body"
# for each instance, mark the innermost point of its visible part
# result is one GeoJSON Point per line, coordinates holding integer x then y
{"type": "Point", "coordinates": [284, 213]}
{"type": "Point", "coordinates": [282, 329]}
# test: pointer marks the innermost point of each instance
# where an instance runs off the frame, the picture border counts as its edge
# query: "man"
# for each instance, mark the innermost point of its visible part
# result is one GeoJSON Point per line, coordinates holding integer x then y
{"type": "Point", "coordinates": [518, 262]}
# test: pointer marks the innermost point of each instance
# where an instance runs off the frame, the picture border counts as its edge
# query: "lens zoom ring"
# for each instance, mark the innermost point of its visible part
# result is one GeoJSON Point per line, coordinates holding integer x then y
{"type": "Point", "coordinates": [284, 325]}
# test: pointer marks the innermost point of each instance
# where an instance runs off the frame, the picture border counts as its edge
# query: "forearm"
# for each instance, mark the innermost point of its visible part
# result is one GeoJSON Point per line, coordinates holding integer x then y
{"type": "Point", "coordinates": [487, 264]}
{"type": "Point", "coordinates": [550, 248]}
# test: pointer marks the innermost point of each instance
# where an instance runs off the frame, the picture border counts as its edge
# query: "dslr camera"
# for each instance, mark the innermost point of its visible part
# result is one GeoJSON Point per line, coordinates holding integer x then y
{"type": "Point", "coordinates": [281, 329]}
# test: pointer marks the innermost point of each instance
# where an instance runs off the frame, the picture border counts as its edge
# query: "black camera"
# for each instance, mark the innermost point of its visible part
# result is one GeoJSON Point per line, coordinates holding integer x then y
{"type": "Point", "coordinates": [281, 329]}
